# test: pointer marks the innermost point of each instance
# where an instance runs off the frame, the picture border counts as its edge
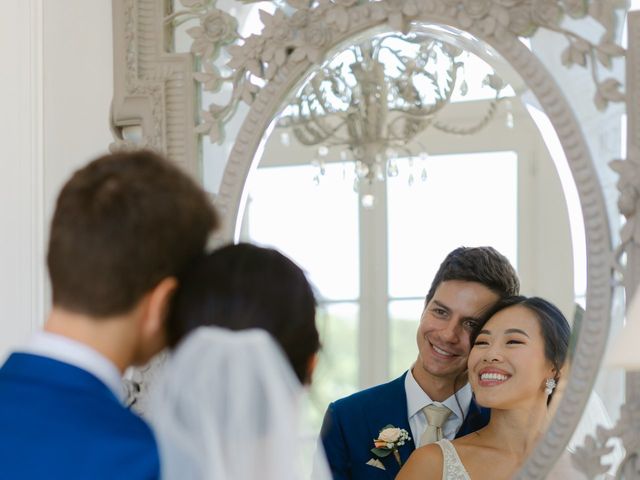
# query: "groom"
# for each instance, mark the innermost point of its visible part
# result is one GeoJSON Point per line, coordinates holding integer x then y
{"type": "Point", "coordinates": [124, 228]}
{"type": "Point", "coordinates": [432, 399]}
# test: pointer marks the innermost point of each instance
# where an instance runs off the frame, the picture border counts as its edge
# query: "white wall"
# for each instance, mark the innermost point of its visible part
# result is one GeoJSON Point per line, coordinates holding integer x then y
{"type": "Point", "coordinates": [20, 168]}
{"type": "Point", "coordinates": [78, 86]}
{"type": "Point", "coordinates": [55, 92]}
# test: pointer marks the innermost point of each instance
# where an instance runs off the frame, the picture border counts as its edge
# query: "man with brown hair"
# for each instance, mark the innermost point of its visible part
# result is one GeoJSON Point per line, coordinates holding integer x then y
{"type": "Point", "coordinates": [124, 228]}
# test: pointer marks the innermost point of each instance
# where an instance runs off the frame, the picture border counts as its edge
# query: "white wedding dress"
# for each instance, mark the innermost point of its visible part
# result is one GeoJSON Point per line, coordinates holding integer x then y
{"type": "Point", "coordinates": [225, 407]}
{"type": "Point", "coordinates": [452, 467]}
{"type": "Point", "coordinates": [594, 415]}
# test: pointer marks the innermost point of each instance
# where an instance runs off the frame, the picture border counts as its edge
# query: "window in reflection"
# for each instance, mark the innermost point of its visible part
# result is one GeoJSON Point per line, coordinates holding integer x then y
{"type": "Point", "coordinates": [468, 199]}
{"type": "Point", "coordinates": [336, 374]}
{"type": "Point", "coordinates": [326, 228]}
{"type": "Point", "coordinates": [404, 316]}
{"type": "Point", "coordinates": [317, 227]}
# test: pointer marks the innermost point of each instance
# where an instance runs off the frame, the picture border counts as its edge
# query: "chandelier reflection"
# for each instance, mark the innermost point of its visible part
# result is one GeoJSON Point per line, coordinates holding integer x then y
{"type": "Point", "coordinates": [374, 99]}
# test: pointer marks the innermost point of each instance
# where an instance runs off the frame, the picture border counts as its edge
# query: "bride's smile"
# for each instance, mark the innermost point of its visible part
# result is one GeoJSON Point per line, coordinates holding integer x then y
{"type": "Point", "coordinates": [491, 377]}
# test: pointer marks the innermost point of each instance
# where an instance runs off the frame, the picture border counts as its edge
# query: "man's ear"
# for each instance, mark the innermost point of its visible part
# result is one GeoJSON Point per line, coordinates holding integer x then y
{"type": "Point", "coordinates": [158, 307]}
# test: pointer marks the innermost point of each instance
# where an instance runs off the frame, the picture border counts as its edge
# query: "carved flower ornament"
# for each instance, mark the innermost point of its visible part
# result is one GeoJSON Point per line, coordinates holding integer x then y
{"type": "Point", "coordinates": [216, 29]}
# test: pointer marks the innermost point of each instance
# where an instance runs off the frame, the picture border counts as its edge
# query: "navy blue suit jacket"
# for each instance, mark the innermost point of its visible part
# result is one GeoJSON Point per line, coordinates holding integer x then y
{"type": "Point", "coordinates": [352, 423]}
{"type": "Point", "coordinates": [58, 421]}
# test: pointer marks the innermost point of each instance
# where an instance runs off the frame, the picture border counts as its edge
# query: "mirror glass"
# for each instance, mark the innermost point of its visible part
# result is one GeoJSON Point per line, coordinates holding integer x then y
{"type": "Point", "coordinates": [395, 151]}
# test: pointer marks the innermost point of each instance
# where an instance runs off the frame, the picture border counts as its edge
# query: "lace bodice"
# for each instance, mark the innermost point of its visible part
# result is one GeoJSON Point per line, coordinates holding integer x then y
{"type": "Point", "coordinates": [452, 468]}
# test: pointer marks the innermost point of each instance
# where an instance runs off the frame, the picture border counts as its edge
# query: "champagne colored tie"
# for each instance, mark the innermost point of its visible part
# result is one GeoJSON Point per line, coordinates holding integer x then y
{"type": "Point", "coordinates": [436, 416]}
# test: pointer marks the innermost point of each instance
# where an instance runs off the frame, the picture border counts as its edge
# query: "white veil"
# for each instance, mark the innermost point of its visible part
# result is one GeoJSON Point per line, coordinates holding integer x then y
{"type": "Point", "coordinates": [226, 407]}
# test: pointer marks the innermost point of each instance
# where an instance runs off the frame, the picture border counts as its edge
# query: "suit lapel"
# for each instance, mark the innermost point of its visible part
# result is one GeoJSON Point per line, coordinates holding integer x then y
{"type": "Point", "coordinates": [391, 409]}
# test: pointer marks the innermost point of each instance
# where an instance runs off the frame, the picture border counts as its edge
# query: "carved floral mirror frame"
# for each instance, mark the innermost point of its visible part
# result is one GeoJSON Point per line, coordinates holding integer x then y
{"type": "Point", "coordinates": [156, 90]}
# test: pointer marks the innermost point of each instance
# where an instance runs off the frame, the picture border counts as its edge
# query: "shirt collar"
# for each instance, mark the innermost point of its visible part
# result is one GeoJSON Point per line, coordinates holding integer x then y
{"type": "Point", "coordinates": [66, 350]}
{"type": "Point", "coordinates": [417, 398]}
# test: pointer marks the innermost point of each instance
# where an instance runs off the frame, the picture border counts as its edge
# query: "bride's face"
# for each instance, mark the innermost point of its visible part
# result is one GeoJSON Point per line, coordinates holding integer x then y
{"type": "Point", "coordinates": [507, 364]}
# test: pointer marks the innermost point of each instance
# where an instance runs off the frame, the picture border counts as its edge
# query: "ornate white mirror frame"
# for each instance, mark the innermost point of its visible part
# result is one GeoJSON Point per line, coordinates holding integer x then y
{"type": "Point", "coordinates": [155, 106]}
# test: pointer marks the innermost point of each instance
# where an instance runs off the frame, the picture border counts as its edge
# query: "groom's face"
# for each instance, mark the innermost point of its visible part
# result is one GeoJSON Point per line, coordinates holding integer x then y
{"type": "Point", "coordinates": [447, 322]}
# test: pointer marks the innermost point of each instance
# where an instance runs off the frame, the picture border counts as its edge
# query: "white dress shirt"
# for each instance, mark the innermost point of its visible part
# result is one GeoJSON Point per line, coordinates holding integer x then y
{"type": "Point", "coordinates": [417, 399]}
{"type": "Point", "coordinates": [66, 350]}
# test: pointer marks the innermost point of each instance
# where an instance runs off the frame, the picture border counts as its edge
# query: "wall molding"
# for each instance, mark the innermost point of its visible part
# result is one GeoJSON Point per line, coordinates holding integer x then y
{"type": "Point", "coordinates": [39, 287]}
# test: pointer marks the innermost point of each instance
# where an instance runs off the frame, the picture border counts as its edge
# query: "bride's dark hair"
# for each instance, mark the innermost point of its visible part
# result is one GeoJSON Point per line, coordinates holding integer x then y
{"type": "Point", "coordinates": [245, 286]}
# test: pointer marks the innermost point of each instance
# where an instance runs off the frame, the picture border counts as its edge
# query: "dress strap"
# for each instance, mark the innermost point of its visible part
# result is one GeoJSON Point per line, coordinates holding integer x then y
{"type": "Point", "coordinates": [452, 467]}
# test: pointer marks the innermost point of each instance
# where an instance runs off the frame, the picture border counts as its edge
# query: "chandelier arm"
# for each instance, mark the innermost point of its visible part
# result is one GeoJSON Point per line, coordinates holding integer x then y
{"type": "Point", "coordinates": [409, 135]}
{"type": "Point", "coordinates": [342, 94]}
{"type": "Point", "coordinates": [440, 102]}
{"type": "Point", "coordinates": [321, 98]}
{"type": "Point", "coordinates": [313, 96]}
{"type": "Point", "coordinates": [299, 117]}
{"type": "Point", "coordinates": [472, 129]}
{"type": "Point", "coordinates": [306, 135]}
{"type": "Point", "coordinates": [290, 119]}
{"type": "Point", "coordinates": [311, 129]}
{"type": "Point", "coordinates": [333, 130]}
{"type": "Point", "coordinates": [320, 122]}
{"type": "Point", "coordinates": [319, 119]}
{"type": "Point", "coordinates": [316, 132]}
{"type": "Point", "coordinates": [420, 113]}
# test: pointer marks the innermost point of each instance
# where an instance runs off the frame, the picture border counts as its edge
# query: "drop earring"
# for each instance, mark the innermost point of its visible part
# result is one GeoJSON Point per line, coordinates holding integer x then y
{"type": "Point", "coordinates": [549, 385]}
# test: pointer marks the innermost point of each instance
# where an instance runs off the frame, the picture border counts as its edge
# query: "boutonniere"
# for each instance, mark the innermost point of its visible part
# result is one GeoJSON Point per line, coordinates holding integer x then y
{"type": "Point", "coordinates": [389, 440]}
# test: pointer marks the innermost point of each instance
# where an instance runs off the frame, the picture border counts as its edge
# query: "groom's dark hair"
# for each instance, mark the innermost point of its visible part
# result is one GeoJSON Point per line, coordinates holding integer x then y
{"type": "Point", "coordinates": [483, 265]}
{"type": "Point", "coordinates": [121, 225]}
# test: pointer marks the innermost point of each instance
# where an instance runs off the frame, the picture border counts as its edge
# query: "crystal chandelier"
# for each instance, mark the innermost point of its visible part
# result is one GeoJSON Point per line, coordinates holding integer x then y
{"type": "Point", "coordinates": [374, 98]}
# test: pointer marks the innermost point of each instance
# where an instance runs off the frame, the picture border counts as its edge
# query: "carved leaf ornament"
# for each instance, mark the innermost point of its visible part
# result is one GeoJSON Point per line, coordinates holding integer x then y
{"type": "Point", "coordinates": [628, 202]}
{"type": "Point", "coordinates": [588, 458]}
{"type": "Point", "coordinates": [313, 27]}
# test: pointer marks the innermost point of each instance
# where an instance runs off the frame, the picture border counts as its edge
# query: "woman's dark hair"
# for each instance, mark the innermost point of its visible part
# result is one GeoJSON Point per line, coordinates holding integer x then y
{"type": "Point", "coordinates": [245, 286]}
{"type": "Point", "coordinates": [553, 325]}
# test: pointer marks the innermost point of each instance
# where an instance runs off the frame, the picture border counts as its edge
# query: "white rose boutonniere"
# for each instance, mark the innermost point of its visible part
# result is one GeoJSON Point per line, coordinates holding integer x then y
{"type": "Point", "coordinates": [389, 440]}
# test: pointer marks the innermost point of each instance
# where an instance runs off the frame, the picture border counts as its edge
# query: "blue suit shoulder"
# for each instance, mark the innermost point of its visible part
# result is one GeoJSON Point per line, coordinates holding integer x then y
{"type": "Point", "coordinates": [352, 423]}
{"type": "Point", "coordinates": [59, 421]}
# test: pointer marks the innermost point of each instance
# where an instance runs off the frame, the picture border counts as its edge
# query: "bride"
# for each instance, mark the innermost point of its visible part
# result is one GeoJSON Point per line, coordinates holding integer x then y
{"type": "Point", "coordinates": [226, 406]}
{"type": "Point", "coordinates": [513, 367]}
